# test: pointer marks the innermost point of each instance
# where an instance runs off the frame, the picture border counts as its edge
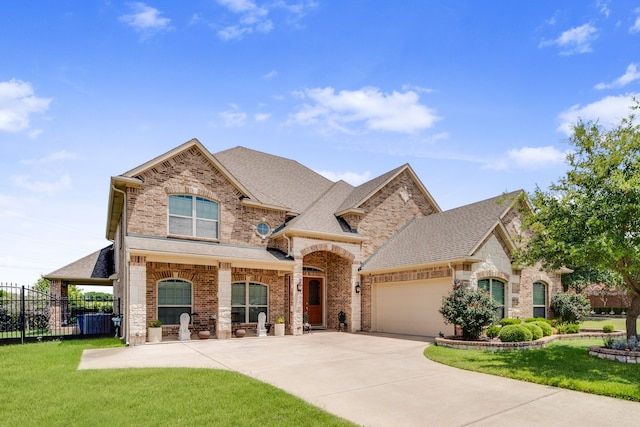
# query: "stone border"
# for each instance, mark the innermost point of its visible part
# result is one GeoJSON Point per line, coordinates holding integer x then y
{"type": "Point", "coordinates": [495, 345]}
{"type": "Point", "coordinates": [617, 355]}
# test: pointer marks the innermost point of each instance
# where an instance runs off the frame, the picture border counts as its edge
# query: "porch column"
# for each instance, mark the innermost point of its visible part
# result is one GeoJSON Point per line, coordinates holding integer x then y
{"type": "Point", "coordinates": [224, 301]}
{"type": "Point", "coordinates": [137, 316]}
{"type": "Point", "coordinates": [296, 299]}
{"type": "Point", "coordinates": [55, 309]}
{"type": "Point", "coordinates": [356, 300]}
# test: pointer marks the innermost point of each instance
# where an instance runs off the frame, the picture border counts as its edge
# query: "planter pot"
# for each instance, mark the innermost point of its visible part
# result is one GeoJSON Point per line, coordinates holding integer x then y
{"type": "Point", "coordinates": [279, 330]}
{"type": "Point", "coordinates": [240, 333]}
{"type": "Point", "coordinates": [154, 334]}
{"type": "Point", "coordinates": [204, 335]}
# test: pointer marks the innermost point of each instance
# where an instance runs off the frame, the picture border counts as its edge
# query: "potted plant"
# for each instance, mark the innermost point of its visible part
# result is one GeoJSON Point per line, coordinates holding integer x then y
{"type": "Point", "coordinates": [155, 331]}
{"type": "Point", "coordinates": [279, 327]}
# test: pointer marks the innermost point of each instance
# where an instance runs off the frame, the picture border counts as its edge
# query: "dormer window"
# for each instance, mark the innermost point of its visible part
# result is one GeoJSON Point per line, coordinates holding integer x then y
{"type": "Point", "coordinates": [193, 216]}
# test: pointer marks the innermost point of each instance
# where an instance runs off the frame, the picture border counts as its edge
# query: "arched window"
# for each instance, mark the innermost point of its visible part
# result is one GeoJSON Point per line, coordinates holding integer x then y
{"type": "Point", "coordinates": [193, 216]}
{"type": "Point", "coordinates": [539, 300]}
{"type": "Point", "coordinates": [495, 288]}
{"type": "Point", "coordinates": [174, 298]}
{"type": "Point", "coordinates": [248, 299]}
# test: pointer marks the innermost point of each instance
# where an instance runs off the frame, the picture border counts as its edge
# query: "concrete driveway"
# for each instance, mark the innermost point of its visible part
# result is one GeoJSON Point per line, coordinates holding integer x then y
{"type": "Point", "coordinates": [378, 380]}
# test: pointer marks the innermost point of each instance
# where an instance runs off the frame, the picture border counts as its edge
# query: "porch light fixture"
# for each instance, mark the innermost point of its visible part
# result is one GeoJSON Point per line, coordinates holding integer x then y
{"type": "Point", "coordinates": [357, 287]}
{"type": "Point", "coordinates": [299, 285]}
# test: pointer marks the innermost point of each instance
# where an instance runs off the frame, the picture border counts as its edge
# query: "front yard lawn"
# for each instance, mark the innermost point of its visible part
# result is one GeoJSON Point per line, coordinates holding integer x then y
{"type": "Point", "coordinates": [565, 364]}
{"type": "Point", "coordinates": [619, 324]}
{"type": "Point", "coordinates": [42, 386]}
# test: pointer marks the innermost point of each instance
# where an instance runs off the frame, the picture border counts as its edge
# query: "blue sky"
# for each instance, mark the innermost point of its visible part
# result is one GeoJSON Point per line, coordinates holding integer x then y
{"type": "Point", "coordinates": [478, 96]}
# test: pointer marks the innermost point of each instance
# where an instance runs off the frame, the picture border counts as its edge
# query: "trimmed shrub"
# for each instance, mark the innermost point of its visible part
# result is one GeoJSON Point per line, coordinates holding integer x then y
{"type": "Point", "coordinates": [607, 329]}
{"type": "Point", "coordinates": [571, 328]}
{"type": "Point", "coordinates": [570, 308]}
{"type": "Point", "coordinates": [510, 321]}
{"type": "Point", "coordinates": [471, 309]}
{"type": "Point", "coordinates": [538, 319]}
{"type": "Point", "coordinates": [536, 331]}
{"type": "Point", "coordinates": [547, 330]}
{"type": "Point", "coordinates": [492, 331]}
{"type": "Point", "coordinates": [515, 333]}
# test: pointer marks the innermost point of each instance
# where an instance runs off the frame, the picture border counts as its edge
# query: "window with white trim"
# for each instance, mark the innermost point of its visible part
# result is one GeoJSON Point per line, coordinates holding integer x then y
{"type": "Point", "coordinates": [174, 298]}
{"type": "Point", "coordinates": [248, 299]}
{"type": "Point", "coordinates": [193, 216]}
{"type": "Point", "coordinates": [495, 288]}
{"type": "Point", "coordinates": [539, 300]}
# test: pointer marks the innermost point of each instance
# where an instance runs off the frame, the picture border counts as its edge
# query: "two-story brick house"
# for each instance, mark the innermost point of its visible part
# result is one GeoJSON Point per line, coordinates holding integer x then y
{"type": "Point", "coordinates": [239, 232]}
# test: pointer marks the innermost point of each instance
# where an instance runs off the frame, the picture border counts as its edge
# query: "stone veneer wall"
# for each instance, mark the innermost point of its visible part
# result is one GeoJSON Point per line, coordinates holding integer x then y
{"type": "Point", "coordinates": [204, 281]}
{"type": "Point", "coordinates": [191, 173]}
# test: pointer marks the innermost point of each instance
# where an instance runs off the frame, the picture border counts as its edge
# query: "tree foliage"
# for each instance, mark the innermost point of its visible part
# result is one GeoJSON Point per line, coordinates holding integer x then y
{"type": "Point", "coordinates": [589, 219]}
{"type": "Point", "coordinates": [570, 308]}
{"type": "Point", "coordinates": [471, 309]}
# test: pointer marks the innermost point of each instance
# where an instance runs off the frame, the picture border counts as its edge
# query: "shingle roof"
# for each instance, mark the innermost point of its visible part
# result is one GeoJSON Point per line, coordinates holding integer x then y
{"type": "Point", "coordinates": [274, 180]}
{"type": "Point", "coordinates": [94, 268]}
{"type": "Point", "coordinates": [449, 235]}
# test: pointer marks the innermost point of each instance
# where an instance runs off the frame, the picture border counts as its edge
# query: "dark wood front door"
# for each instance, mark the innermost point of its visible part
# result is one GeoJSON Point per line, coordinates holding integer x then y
{"type": "Point", "coordinates": [312, 298]}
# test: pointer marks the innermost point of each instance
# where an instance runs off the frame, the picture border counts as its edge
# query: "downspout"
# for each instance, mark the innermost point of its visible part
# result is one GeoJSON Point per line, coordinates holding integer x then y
{"type": "Point", "coordinates": [453, 273]}
{"type": "Point", "coordinates": [125, 276]}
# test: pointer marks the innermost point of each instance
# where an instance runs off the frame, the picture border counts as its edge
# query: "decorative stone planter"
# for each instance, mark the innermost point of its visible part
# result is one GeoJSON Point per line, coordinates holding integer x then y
{"type": "Point", "coordinates": [154, 334]}
{"type": "Point", "coordinates": [240, 333]}
{"type": "Point", "coordinates": [279, 330]}
{"type": "Point", "coordinates": [623, 356]}
{"type": "Point", "coordinates": [204, 335]}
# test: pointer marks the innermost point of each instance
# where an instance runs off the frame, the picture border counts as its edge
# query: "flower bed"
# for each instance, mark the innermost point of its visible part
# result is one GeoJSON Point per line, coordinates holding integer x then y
{"type": "Point", "coordinates": [618, 355]}
{"type": "Point", "coordinates": [497, 345]}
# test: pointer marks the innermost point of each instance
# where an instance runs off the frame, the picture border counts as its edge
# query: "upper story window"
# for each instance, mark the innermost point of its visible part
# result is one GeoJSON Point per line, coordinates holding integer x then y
{"type": "Point", "coordinates": [193, 216]}
{"type": "Point", "coordinates": [496, 289]}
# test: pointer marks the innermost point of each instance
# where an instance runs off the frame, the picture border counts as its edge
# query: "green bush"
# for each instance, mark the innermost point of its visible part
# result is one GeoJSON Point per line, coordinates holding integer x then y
{"type": "Point", "coordinates": [570, 308]}
{"type": "Point", "coordinates": [515, 333]}
{"type": "Point", "coordinates": [607, 329]}
{"type": "Point", "coordinates": [471, 309]}
{"type": "Point", "coordinates": [536, 331]}
{"type": "Point", "coordinates": [571, 328]}
{"type": "Point", "coordinates": [538, 319]}
{"type": "Point", "coordinates": [510, 321]}
{"type": "Point", "coordinates": [547, 330]}
{"type": "Point", "coordinates": [492, 331]}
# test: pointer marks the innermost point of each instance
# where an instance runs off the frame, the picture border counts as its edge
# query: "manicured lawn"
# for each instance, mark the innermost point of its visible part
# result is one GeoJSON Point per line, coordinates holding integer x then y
{"type": "Point", "coordinates": [618, 324]}
{"type": "Point", "coordinates": [41, 385]}
{"type": "Point", "coordinates": [565, 364]}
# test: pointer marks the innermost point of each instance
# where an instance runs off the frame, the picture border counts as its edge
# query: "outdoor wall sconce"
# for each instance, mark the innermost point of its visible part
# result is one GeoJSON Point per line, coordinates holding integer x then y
{"type": "Point", "coordinates": [358, 288]}
{"type": "Point", "coordinates": [299, 285]}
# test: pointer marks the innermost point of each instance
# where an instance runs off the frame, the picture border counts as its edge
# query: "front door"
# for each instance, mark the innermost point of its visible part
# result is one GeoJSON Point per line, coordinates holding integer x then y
{"type": "Point", "coordinates": [312, 299]}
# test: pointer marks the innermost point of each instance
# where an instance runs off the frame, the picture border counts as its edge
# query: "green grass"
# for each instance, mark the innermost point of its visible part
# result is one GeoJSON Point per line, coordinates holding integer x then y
{"type": "Point", "coordinates": [565, 364]}
{"type": "Point", "coordinates": [618, 324]}
{"type": "Point", "coordinates": [42, 386]}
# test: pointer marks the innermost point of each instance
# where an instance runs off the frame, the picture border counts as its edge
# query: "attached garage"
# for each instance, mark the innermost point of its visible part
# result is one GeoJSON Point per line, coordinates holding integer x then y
{"type": "Point", "coordinates": [410, 307]}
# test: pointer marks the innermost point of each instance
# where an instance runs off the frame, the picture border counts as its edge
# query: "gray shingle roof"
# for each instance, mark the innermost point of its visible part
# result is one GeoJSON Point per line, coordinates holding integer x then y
{"type": "Point", "coordinates": [274, 180]}
{"type": "Point", "coordinates": [94, 268]}
{"type": "Point", "coordinates": [366, 190]}
{"type": "Point", "coordinates": [449, 235]}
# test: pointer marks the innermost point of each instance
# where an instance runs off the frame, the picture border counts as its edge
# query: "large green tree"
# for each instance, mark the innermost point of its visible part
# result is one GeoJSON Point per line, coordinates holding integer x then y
{"type": "Point", "coordinates": [590, 218]}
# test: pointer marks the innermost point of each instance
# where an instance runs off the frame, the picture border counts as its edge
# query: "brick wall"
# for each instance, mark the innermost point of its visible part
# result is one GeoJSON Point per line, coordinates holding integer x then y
{"type": "Point", "coordinates": [278, 292]}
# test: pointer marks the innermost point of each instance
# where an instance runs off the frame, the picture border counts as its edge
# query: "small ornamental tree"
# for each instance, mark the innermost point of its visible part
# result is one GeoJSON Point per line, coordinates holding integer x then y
{"type": "Point", "coordinates": [570, 308]}
{"type": "Point", "coordinates": [471, 309]}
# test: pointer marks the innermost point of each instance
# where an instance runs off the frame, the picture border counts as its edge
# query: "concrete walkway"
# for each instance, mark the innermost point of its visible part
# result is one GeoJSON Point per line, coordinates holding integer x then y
{"type": "Point", "coordinates": [377, 380]}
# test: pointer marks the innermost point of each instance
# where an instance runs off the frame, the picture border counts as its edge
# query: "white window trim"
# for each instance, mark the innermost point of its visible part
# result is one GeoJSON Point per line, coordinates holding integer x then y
{"type": "Point", "coordinates": [546, 296]}
{"type": "Point", "coordinates": [193, 218]}
{"type": "Point", "coordinates": [246, 299]}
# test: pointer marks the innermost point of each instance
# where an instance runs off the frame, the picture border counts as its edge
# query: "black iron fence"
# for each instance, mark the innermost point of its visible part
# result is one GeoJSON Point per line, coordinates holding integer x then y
{"type": "Point", "coordinates": [28, 314]}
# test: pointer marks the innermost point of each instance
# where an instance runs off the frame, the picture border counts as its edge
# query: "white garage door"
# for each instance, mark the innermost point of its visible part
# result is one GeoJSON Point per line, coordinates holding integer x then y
{"type": "Point", "coordinates": [410, 308]}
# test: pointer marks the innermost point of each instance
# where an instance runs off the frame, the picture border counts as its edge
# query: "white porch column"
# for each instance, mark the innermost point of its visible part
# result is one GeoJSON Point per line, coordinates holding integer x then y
{"type": "Point", "coordinates": [137, 316]}
{"type": "Point", "coordinates": [356, 300]}
{"type": "Point", "coordinates": [296, 299]}
{"type": "Point", "coordinates": [224, 301]}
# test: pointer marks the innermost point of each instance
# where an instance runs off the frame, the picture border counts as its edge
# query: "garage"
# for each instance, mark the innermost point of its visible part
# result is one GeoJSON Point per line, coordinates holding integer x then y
{"type": "Point", "coordinates": [410, 307]}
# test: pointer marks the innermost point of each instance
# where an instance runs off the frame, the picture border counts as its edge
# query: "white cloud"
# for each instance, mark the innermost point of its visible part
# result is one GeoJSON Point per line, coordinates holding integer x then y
{"type": "Point", "coordinates": [53, 157]}
{"type": "Point", "coordinates": [606, 111]}
{"type": "Point", "coordinates": [146, 20]}
{"type": "Point", "coordinates": [575, 40]}
{"type": "Point", "coordinates": [375, 110]}
{"type": "Point", "coordinates": [233, 118]}
{"type": "Point", "coordinates": [603, 6]}
{"type": "Point", "coordinates": [17, 104]}
{"type": "Point", "coordinates": [635, 28]}
{"type": "Point", "coordinates": [48, 188]}
{"type": "Point", "coordinates": [262, 117]}
{"type": "Point", "coordinates": [352, 178]}
{"type": "Point", "coordinates": [629, 76]}
{"type": "Point", "coordinates": [270, 75]}
{"type": "Point", "coordinates": [528, 158]}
